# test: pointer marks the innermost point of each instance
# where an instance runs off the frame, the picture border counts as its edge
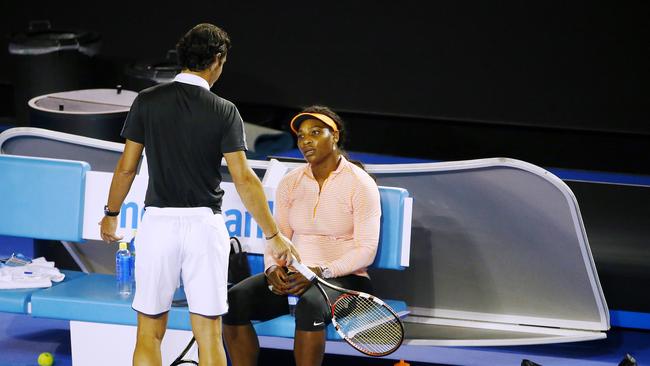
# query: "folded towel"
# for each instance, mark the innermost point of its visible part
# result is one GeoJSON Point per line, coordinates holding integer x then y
{"type": "Point", "coordinates": [38, 274]}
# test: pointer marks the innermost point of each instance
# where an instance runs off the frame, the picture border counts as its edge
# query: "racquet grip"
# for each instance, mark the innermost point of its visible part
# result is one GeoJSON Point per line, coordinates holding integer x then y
{"type": "Point", "coordinates": [308, 273]}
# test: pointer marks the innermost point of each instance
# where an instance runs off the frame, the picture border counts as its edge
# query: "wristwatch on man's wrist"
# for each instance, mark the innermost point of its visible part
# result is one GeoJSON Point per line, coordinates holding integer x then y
{"type": "Point", "coordinates": [326, 272]}
{"type": "Point", "coordinates": [110, 213]}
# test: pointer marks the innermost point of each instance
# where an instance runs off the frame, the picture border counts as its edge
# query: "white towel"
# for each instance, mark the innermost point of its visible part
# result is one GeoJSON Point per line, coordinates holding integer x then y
{"type": "Point", "coordinates": [38, 274]}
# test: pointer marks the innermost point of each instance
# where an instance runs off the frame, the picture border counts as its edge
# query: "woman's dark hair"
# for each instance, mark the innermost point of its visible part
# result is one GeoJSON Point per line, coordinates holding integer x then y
{"type": "Point", "coordinates": [331, 114]}
{"type": "Point", "coordinates": [198, 47]}
{"type": "Point", "coordinates": [340, 125]}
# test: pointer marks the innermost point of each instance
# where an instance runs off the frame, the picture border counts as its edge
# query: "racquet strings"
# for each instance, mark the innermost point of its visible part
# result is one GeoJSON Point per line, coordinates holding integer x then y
{"type": "Point", "coordinates": [370, 326]}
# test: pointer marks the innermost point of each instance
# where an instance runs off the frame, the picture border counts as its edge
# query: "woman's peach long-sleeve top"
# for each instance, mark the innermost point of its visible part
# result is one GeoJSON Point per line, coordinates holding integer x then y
{"type": "Point", "coordinates": [336, 226]}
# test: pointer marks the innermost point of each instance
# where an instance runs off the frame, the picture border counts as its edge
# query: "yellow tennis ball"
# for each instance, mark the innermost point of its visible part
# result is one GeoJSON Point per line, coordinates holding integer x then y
{"type": "Point", "coordinates": [45, 359]}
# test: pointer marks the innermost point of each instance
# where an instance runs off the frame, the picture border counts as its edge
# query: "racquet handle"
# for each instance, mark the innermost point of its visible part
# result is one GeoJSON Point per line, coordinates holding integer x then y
{"type": "Point", "coordinates": [304, 270]}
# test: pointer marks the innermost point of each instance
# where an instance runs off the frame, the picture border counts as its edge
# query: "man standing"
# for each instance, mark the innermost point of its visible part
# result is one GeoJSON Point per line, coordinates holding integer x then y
{"type": "Point", "coordinates": [186, 130]}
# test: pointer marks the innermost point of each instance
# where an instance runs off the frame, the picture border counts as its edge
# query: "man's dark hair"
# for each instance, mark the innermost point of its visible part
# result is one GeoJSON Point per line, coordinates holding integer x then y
{"type": "Point", "coordinates": [198, 47]}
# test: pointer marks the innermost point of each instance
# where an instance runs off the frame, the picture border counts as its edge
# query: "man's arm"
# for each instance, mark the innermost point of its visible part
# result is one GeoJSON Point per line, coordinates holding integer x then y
{"type": "Point", "coordinates": [251, 192]}
{"type": "Point", "coordinates": [120, 185]}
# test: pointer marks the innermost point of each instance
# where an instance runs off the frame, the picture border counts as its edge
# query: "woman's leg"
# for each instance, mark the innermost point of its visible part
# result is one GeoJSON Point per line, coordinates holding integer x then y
{"type": "Point", "coordinates": [309, 347]}
{"type": "Point", "coordinates": [248, 300]}
{"type": "Point", "coordinates": [242, 344]}
{"type": "Point", "coordinates": [313, 315]}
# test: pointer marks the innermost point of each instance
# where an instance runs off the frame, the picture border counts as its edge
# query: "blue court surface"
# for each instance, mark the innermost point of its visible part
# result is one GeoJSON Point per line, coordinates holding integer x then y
{"type": "Point", "coordinates": [23, 338]}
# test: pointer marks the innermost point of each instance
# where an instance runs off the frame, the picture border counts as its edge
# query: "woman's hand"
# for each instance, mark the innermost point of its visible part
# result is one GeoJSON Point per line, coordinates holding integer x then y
{"type": "Point", "coordinates": [298, 284]}
{"type": "Point", "coordinates": [277, 279]}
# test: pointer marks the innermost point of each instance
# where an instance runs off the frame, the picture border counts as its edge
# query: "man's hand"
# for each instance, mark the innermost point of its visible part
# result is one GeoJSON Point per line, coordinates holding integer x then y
{"type": "Point", "coordinates": [277, 280]}
{"type": "Point", "coordinates": [282, 249]}
{"type": "Point", "coordinates": [107, 229]}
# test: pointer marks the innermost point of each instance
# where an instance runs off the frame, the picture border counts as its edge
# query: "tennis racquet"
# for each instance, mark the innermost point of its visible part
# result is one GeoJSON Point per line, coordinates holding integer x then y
{"type": "Point", "coordinates": [367, 323]}
{"type": "Point", "coordinates": [180, 360]}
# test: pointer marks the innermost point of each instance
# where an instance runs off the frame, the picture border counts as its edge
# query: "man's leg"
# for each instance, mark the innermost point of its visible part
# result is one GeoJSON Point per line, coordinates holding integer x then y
{"type": "Point", "coordinates": [151, 330]}
{"type": "Point", "coordinates": [242, 343]}
{"type": "Point", "coordinates": [207, 331]}
{"type": "Point", "coordinates": [157, 275]}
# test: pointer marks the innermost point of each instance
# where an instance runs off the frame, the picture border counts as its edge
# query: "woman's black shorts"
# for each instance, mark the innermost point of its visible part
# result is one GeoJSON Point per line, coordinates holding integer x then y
{"type": "Point", "coordinates": [251, 299]}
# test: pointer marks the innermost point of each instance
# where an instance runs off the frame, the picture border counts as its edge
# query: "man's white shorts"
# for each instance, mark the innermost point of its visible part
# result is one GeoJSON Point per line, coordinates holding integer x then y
{"type": "Point", "coordinates": [188, 242]}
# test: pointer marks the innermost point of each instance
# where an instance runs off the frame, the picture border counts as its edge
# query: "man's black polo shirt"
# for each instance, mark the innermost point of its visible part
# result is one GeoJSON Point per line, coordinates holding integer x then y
{"type": "Point", "coordinates": [185, 129]}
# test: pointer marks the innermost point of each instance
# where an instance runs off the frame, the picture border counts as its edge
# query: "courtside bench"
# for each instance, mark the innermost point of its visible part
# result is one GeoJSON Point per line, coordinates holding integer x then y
{"type": "Point", "coordinates": [44, 199]}
{"type": "Point", "coordinates": [40, 199]}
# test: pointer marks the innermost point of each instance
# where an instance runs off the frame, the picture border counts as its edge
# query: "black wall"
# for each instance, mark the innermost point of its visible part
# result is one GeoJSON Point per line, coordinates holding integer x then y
{"type": "Point", "coordinates": [554, 83]}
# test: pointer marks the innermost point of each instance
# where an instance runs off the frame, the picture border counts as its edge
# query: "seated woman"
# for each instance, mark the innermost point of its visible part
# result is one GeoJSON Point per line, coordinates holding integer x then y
{"type": "Point", "coordinates": [330, 209]}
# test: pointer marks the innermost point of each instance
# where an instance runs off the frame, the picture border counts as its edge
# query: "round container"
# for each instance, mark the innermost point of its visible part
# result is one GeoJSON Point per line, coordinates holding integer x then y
{"type": "Point", "coordinates": [97, 113]}
{"type": "Point", "coordinates": [46, 60]}
{"type": "Point", "coordinates": [41, 39]}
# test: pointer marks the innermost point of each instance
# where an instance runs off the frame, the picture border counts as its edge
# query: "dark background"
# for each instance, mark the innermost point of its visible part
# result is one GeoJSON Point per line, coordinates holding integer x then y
{"type": "Point", "coordinates": [560, 84]}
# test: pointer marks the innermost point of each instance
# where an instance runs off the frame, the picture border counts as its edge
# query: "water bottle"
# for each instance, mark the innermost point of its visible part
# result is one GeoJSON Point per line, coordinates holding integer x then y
{"type": "Point", "coordinates": [123, 273]}
{"type": "Point", "coordinates": [132, 250]}
{"type": "Point", "coordinates": [293, 301]}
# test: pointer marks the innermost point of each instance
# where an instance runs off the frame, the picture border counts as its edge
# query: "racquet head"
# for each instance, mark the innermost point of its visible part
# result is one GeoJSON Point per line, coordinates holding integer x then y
{"type": "Point", "coordinates": [367, 324]}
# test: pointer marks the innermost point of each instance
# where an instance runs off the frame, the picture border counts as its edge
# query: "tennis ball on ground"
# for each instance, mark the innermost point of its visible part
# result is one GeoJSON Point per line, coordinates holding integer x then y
{"type": "Point", "coordinates": [45, 359]}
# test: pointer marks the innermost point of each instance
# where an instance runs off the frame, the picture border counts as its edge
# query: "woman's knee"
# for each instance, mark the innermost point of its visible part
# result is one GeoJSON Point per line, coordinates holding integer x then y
{"type": "Point", "coordinates": [312, 312]}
